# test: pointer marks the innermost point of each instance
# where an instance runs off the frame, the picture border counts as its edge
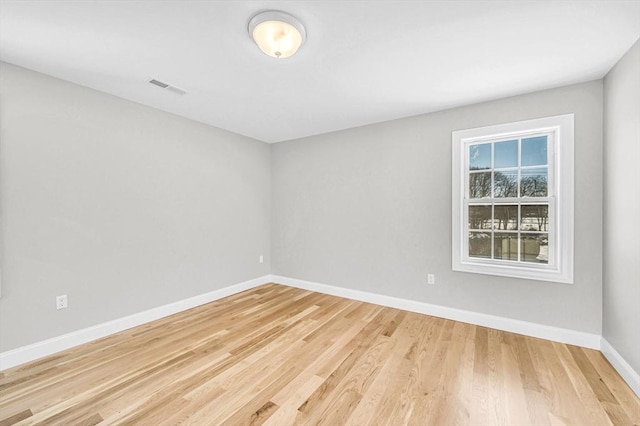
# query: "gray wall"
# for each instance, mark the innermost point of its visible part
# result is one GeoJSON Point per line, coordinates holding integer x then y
{"type": "Point", "coordinates": [621, 323]}
{"type": "Point", "coordinates": [125, 208]}
{"type": "Point", "coordinates": [119, 206]}
{"type": "Point", "coordinates": [370, 209]}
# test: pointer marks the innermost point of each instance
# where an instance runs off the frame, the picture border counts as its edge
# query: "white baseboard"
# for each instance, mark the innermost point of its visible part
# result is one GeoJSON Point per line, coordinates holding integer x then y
{"type": "Point", "coordinates": [556, 334]}
{"type": "Point", "coordinates": [50, 346]}
{"type": "Point", "coordinates": [56, 344]}
{"type": "Point", "coordinates": [622, 367]}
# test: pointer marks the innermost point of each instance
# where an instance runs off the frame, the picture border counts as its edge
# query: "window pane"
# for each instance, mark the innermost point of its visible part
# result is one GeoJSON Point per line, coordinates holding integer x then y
{"type": "Point", "coordinates": [505, 246]}
{"type": "Point", "coordinates": [534, 218]}
{"type": "Point", "coordinates": [533, 182]}
{"type": "Point", "coordinates": [506, 217]}
{"type": "Point", "coordinates": [480, 244]}
{"type": "Point", "coordinates": [506, 154]}
{"type": "Point", "coordinates": [480, 185]}
{"type": "Point", "coordinates": [506, 184]}
{"type": "Point", "coordinates": [480, 156]}
{"type": "Point", "coordinates": [534, 248]}
{"type": "Point", "coordinates": [479, 217]}
{"type": "Point", "coordinates": [534, 151]}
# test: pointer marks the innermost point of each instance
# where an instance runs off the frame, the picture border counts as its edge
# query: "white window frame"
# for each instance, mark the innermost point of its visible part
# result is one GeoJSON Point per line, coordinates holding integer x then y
{"type": "Point", "coordinates": [560, 153]}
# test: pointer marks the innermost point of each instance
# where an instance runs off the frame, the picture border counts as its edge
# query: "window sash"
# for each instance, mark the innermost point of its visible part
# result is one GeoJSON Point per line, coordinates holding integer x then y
{"type": "Point", "coordinates": [551, 234]}
{"type": "Point", "coordinates": [518, 200]}
{"type": "Point", "coordinates": [550, 166]}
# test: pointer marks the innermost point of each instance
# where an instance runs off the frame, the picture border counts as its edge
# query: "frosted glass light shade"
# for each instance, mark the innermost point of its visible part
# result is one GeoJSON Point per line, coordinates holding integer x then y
{"type": "Point", "coordinates": [277, 34]}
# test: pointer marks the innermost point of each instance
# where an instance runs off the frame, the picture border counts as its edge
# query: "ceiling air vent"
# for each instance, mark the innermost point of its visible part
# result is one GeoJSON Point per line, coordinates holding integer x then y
{"type": "Point", "coordinates": [168, 87]}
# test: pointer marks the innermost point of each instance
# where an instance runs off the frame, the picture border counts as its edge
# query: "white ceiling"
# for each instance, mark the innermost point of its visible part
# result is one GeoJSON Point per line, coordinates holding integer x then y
{"type": "Point", "coordinates": [363, 62]}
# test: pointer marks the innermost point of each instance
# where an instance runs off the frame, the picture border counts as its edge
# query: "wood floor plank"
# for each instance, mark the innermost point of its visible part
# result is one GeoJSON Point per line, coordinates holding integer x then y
{"type": "Point", "coordinates": [561, 396]}
{"type": "Point", "coordinates": [427, 355]}
{"type": "Point", "coordinates": [288, 410]}
{"type": "Point", "coordinates": [382, 393]}
{"type": "Point", "coordinates": [513, 391]}
{"type": "Point", "coordinates": [277, 355]}
{"type": "Point", "coordinates": [15, 418]}
{"type": "Point", "coordinates": [338, 405]}
{"type": "Point", "coordinates": [534, 396]}
{"type": "Point", "coordinates": [446, 407]}
{"type": "Point", "coordinates": [621, 390]}
{"type": "Point", "coordinates": [361, 344]}
{"type": "Point", "coordinates": [593, 411]}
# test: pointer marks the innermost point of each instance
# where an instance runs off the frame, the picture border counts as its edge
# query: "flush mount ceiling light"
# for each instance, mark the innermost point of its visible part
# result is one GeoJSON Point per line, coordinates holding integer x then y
{"type": "Point", "coordinates": [277, 33]}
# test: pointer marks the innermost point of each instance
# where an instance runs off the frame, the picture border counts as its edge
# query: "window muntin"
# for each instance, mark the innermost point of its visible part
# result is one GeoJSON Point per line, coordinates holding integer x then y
{"type": "Point", "coordinates": [513, 199]}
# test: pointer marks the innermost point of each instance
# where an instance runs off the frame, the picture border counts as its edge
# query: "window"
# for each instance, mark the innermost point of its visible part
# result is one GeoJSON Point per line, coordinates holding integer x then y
{"type": "Point", "coordinates": [513, 199]}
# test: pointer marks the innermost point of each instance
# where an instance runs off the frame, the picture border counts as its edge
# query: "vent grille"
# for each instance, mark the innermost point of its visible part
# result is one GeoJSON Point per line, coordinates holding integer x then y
{"type": "Point", "coordinates": [158, 83]}
{"type": "Point", "coordinates": [167, 86]}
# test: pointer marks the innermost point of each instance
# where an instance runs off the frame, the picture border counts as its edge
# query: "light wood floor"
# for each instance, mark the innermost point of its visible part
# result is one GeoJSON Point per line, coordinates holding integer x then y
{"type": "Point", "coordinates": [277, 355]}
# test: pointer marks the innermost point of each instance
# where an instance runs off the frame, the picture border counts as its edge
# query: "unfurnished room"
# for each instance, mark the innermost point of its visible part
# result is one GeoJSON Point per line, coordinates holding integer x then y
{"type": "Point", "coordinates": [320, 212]}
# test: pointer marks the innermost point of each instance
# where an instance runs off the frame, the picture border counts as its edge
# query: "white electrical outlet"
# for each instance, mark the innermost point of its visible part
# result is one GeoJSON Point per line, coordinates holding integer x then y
{"type": "Point", "coordinates": [61, 302]}
{"type": "Point", "coordinates": [261, 259]}
{"type": "Point", "coordinates": [431, 279]}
